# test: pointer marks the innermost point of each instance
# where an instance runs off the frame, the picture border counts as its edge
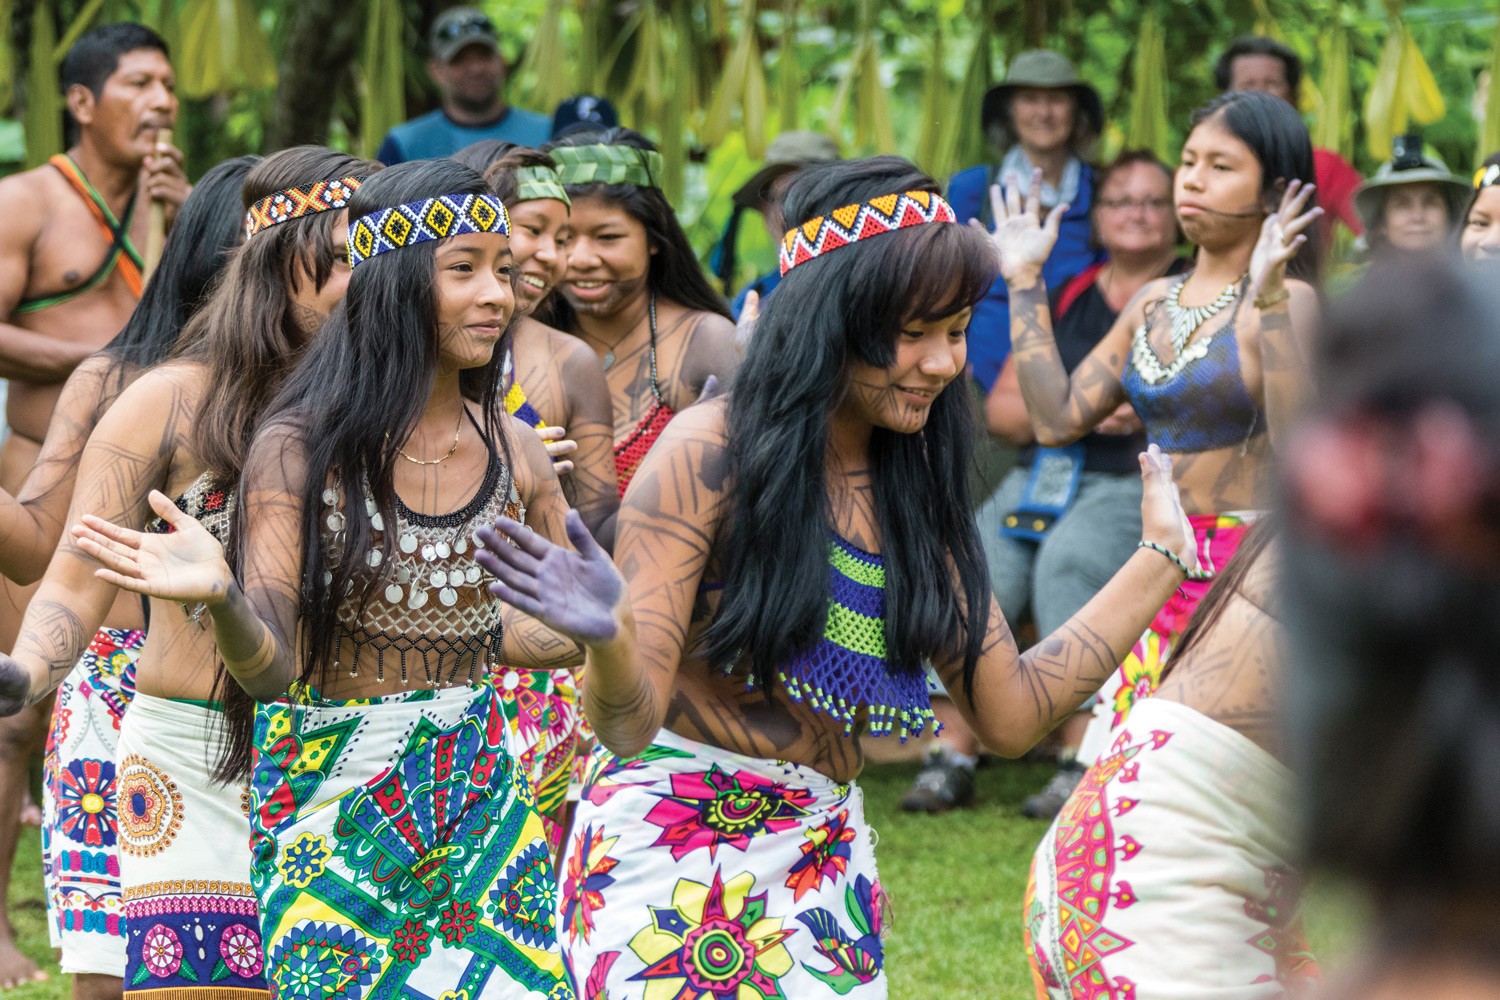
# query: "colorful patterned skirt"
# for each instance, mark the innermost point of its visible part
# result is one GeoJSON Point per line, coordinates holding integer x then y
{"type": "Point", "coordinates": [541, 713]}
{"type": "Point", "coordinates": [695, 872]}
{"type": "Point", "coordinates": [184, 860]}
{"type": "Point", "coordinates": [398, 852]}
{"type": "Point", "coordinates": [1167, 875]}
{"type": "Point", "coordinates": [1219, 537]}
{"type": "Point", "coordinates": [80, 860]}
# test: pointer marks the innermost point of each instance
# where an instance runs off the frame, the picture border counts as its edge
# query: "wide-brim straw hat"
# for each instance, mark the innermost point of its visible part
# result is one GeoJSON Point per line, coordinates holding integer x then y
{"type": "Point", "coordinates": [1369, 198]}
{"type": "Point", "coordinates": [1047, 69]}
{"type": "Point", "coordinates": [789, 151]}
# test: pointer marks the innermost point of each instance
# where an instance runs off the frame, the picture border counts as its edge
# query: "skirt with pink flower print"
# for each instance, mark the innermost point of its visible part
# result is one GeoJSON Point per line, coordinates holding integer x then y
{"type": "Point", "coordinates": [696, 872]}
{"type": "Point", "coordinates": [192, 927]}
{"type": "Point", "coordinates": [80, 859]}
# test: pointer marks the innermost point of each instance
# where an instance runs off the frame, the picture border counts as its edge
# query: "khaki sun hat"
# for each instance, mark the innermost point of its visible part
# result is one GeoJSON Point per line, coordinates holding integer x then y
{"type": "Point", "coordinates": [787, 152]}
{"type": "Point", "coordinates": [1047, 69]}
{"type": "Point", "coordinates": [1369, 199]}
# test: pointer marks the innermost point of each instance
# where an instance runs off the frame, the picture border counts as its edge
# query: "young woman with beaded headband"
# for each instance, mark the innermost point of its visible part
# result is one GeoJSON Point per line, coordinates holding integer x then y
{"type": "Point", "coordinates": [1480, 237]}
{"type": "Point", "coordinates": [1211, 361]}
{"type": "Point", "coordinates": [397, 850]}
{"type": "Point", "coordinates": [183, 429]}
{"type": "Point", "coordinates": [80, 857]}
{"type": "Point", "coordinates": [634, 291]}
{"type": "Point", "coordinates": [791, 555]}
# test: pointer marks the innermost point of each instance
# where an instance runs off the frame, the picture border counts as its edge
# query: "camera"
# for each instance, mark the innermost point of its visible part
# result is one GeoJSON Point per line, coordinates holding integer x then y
{"type": "Point", "coordinates": [1406, 151]}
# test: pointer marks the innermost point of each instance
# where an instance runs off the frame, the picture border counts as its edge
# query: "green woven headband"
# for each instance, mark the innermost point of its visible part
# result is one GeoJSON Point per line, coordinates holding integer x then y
{"type": "Point", "coordinates": [539, 182]}
{"type": "Point", "coordinates": [607, 165]}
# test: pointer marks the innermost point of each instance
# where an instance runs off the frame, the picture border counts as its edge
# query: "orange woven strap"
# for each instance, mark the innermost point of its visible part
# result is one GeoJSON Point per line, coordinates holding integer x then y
{"type": "Point", "coordinates": [130, 262]}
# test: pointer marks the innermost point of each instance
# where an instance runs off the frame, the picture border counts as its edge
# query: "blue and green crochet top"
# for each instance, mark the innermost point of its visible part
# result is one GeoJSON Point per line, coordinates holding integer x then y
{"type": "Point", "coordinates": [848, 669]}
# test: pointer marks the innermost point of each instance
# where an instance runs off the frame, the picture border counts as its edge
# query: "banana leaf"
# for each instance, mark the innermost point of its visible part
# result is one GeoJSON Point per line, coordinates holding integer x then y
{"type": "Point", "coordinates": [540, 82]}
{"type": "Point", "coordinates": [788, 74]}
{"type": "Point", "coordinates": [1403, 92]}
{"type": "Point", "coordinates": [964, 143]}
{"type": "Point", "coordinates": [383, 96]}
{"type": "Point", "coordinates": [7, 59]}
{"type": "Point", "coordinates": [1148, 102]}
{"type": "Point", "coordinates": [44, 102]}
{"type": "Point", "coordinates": [1332, 129]}
{"type": "Point", "coordinates": [754, 104]}
{"type": "Point", "coordinates": [936, 107]}
{"type": "Point", "coordinates": [674, 118]}
{"type": "Point", "coordinates": [81, 23]}
{"type": "Point", "coordinates": [731, 89]}
{"type": "Point", "coordinates": [1489, 131]}
{"type": "Point", "coordinates": [223, 49]}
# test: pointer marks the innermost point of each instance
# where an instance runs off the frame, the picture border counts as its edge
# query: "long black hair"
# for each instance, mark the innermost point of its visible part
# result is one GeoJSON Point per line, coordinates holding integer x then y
{"type": "Point", "coordinates": [359, 393]}
{"type": "Point", "coordinates": [1279, 140]}
{"type": "Point", "coordinates": [831, 311]}
{"type": "Point", "coordinates": [675, 273]}
{"type": "Point", "coordinates": [210, 224]}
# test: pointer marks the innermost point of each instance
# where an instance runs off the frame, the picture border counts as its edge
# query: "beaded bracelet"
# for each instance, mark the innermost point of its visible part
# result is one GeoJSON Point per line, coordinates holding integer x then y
{"type": "Point", "coordinates": [1191, 574]}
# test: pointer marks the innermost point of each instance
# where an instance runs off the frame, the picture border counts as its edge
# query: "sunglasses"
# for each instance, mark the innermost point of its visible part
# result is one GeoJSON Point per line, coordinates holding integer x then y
{"type": "Point", "coordinates": [466, 26]}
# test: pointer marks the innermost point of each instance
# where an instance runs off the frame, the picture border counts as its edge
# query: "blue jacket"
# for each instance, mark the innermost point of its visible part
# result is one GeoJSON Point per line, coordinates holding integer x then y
{"type": "Point", "coordinates": [435, 135]}
{"type": "Point", "coordinates": [989, 330]}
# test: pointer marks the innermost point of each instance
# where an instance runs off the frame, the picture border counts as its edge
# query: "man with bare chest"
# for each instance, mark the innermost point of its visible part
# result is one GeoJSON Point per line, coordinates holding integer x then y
{"type": "Point", "coordinates": [70, 275]}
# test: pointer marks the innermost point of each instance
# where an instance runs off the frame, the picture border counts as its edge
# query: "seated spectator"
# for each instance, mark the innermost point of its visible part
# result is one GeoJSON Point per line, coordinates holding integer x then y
{"type": "Point", "coordinates": [1412, 203]}
{"type": "Point", "coordinates": [788, 153]}
{"type": "Point", "coordinates": [1255, 62]}
{"type": "Point", "coordinates": [1044, 116]}
{"type": "Point", "coordinates": [1051, 548]}
{"type": "Point", "coordinates": [469, 71]}
{"type": "Point", "coordinates": [1480, 240]}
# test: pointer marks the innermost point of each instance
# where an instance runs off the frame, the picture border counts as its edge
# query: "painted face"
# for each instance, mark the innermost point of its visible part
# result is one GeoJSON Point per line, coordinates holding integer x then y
{"type": "Point", "coordinates": [474, 298]}
{"type": "Point", "coordinates": [1481, 235]}
{"type": "Point", "coordinates": [929, 355]}
{"type": "Point", "coordinates": [1134, 211]}
{"type": "Point", "coordinates": [310, 304]}
{"type": "Point", "coordinates": [1416, 216]}
{"type": "Point", "coordinates": [138, 98]}
{"type": "Point", "coordinates": [472, 78]}
{"type": "Point", "coordinates": [1264, 73]}
{"type": "Point", "coordinates": [609, 258]}
{"type": "Point", "coordinates": [1217, 187]}
{"type": "Point", "coordinates": [539, 233]}
{"type": "Point", "coordinates": [1043, 117]}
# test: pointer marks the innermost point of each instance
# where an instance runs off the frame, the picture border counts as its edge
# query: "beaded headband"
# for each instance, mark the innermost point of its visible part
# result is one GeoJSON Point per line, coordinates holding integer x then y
{"type": "Point", "coordinates": [293, 203]}
{"type": "Point", "coordinates": [539, 182]}
{"type": "Point", "coordinates": [851, 223]}
{"type": "Point", "coordinates": [420, 221]}
{"type": "Point", "coordinates": [1487, 176]}
{"type": "Point", "coordinates": [601, 164]}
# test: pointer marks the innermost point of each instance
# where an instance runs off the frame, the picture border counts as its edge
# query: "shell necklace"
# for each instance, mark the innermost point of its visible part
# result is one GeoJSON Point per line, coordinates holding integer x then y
{"type": "Point", "coordinates": [1186, 321]}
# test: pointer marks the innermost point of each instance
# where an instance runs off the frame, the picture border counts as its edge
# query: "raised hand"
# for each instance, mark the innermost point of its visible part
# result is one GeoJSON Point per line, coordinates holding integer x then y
{"type": "Point", "coordinates": [1281, 236]}
{"type": "Point", "coordinates": [577, 593]}
{"type": "Point", "coordinates": [185, 565]}
{"type": "Point", "coordinates": [1021, 237]}
{"type": "Point", "coordinates": [1163, 520]}
{"type": "Point", "coordinates": [558, 444]}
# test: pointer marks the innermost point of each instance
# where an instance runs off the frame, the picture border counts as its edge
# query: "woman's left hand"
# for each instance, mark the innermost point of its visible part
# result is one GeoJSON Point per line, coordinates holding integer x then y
{"type": "Point", "coordinates": [1281, 236]}
{"type": "Point", "coordinates": [185, 565]}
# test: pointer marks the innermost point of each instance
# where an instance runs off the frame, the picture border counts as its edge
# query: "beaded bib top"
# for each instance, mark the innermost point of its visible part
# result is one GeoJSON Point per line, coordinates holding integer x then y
{"type": "Point", "coordinates": [434, 601]}
{"type": "Point", "coordinates": [210, 505]}
{"type": "Point", "coordinates": [518, 406]}
{"type": "Point", "coordinates": [848, 670]}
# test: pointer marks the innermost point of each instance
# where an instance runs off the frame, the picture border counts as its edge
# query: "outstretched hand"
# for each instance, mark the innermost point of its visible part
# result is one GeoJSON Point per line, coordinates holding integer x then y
{"type": "Point", "coordinates": [578, 593]}
{"type": "Point", "coordinates": [1281, 236]}
{"type": "Point", "coordinates": [1021, 237]}
{"type": "Point", "coordinates": [184, 565]}
{"type": "Point", "coordinates": [1163, 520]}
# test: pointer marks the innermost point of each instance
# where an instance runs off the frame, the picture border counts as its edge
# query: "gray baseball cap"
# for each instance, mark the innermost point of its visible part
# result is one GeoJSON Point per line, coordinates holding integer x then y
{"type": "Point", "coordinates": [458, 27]}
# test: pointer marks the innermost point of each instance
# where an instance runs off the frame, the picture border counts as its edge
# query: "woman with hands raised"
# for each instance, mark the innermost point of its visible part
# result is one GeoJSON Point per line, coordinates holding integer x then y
{"type": "Point", "coordinates": [789, 555]}
{"type": "Point", "coordinates": [1213, 362]}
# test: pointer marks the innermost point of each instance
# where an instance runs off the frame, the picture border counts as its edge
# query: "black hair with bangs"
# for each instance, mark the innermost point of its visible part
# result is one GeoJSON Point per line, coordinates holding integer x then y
{"type": "Point", "coordinates": [851, 305]}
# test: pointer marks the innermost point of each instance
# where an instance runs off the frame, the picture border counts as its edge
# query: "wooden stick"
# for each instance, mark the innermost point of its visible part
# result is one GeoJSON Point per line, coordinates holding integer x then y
{"type": "Point", "coordinates": [156, 222]}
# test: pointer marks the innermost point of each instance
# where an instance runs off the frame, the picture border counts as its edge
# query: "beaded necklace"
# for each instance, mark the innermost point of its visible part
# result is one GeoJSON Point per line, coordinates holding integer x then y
{"type": "Point", "coordinates": [1185, 321]}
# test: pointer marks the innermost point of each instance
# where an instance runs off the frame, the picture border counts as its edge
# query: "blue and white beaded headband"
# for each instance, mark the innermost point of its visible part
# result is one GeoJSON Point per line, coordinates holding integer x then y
{"type": "Point", "coordinates": [419, 221]}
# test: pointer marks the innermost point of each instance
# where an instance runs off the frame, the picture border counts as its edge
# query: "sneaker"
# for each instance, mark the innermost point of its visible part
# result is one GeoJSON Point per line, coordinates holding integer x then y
{"type": "Point", "coordinates": [1049, 801]}
{"type": "Point", "coordinates": [940, 785]}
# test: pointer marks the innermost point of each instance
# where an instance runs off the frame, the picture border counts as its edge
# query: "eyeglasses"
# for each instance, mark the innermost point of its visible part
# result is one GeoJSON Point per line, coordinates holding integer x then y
{"type": "Point", "coordinates": [465, 26]}
{"type": "Point", "coordinates": [1152, 204]}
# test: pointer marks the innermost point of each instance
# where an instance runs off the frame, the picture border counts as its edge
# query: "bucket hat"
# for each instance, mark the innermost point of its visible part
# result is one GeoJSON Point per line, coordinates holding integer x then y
{"type": "Point", "coordinates": [1369, 198]}
{"type": "Point", "coordinates": [787, 152]}
{"type": "Point", "coordinates": [1047, 69]}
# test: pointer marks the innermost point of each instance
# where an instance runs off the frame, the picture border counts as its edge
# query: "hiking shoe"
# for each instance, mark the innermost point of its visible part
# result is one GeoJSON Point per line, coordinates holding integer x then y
{"type": "Point", "coordinates": [1049, 801]}
{"type": "Point", "coordinates": [940, 785]}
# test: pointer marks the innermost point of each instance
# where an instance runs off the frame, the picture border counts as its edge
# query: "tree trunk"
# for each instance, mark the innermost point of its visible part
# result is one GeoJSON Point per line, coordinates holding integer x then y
{"type": "Point", "coordinates": [322, 39]}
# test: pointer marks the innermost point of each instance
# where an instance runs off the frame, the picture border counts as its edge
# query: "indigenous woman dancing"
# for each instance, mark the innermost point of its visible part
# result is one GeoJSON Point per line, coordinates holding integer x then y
{"type": "Point", "coordinates": [398, 851]}
{"type": "Point", "coordinates": [634, 291]}
{"type": "Point", "coordinates": [183, 428]}
{"type": "Point", "coordinates": [1170, 871]}
{"type": "Point", "coordinates": [80, 857]}
{"type": "Point", "coordinates": [791, 555]}
{"type": "Point", "coordinates": [564, 387]}
{"type": "Point", "coordinates": [1210, 362]}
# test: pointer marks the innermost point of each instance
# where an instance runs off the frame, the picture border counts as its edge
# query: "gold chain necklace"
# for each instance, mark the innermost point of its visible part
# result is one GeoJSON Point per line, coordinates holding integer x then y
{"type": "Point", "coordinates": [451, 451]}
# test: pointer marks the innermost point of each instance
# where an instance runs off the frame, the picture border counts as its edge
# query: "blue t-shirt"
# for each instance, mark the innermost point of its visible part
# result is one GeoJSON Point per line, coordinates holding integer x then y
{"type": "Point", "coordinates": [435, 135]}
{"type": "Point", "coordinates": [989, 330]}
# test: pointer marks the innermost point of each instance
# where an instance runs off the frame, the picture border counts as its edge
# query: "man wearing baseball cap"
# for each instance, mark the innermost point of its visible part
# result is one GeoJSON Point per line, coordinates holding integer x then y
{"type": "Point", "coordinates": [469, 71]}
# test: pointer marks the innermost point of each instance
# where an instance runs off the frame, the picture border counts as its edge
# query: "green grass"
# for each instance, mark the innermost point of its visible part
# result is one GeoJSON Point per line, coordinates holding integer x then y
{"type": "Point", "coordinates": [955, 884]}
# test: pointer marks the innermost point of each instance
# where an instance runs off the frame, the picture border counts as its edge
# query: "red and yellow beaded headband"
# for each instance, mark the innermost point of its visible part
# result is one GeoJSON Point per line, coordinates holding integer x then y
{"type": "Point", "coordinates": [293, 203]}
{"type": "Point", "coordinates": [851, 223]}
